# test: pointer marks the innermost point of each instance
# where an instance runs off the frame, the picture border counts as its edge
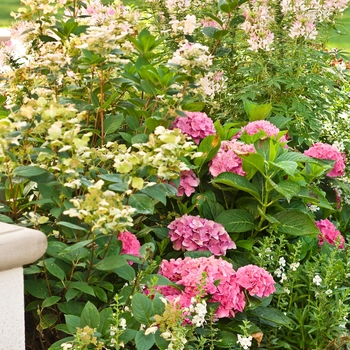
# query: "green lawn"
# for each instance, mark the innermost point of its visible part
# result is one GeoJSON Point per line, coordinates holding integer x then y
{"type": "Point", "coordinates": [341, 40]}
{"type": "Point", "coordinates": [6, 6]}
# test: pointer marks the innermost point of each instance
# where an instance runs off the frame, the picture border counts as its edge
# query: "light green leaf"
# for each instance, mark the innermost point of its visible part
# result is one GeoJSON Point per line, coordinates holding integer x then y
{"type": "Point", "coordinates": [289, 167]}
{"type": "Point", "coordinates": [70, 225]}
{"type": "Point", "coordinates": [256, 111]}
{"type": "Point", "coordinates": [236, 220]}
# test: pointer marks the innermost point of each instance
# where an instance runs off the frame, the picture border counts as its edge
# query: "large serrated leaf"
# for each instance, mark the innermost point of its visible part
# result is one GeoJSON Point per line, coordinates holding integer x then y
{"type": "Point", "coordinates": [236, 220]}
{"type": "Point", "coordinates": [296, 223]}
{"type": "Point", "coordinates": [238, 182]}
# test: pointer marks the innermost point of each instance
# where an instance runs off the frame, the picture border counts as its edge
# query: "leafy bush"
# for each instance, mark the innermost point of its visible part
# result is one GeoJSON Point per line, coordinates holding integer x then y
{"type": "Point", "coordinates": [172, 222]}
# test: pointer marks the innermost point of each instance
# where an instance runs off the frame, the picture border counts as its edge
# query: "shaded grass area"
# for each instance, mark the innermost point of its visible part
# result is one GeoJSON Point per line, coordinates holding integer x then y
{"type": "Point", "coordinates": [340, 38]}
{"type": "Point", "coordinates": [6, 6]}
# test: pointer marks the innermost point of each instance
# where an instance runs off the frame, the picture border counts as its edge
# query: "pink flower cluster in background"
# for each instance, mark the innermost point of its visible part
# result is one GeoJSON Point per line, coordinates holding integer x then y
{"type": "Point", "coordinates": [329, 233]}
{"type": "Point", "coordinates": [325, 151]}
{"type": "Point", "coordinates": [188, 181]}
{"type": "Point", "coordinates": [255, 280]}
{"type": "Point", "coordinates": [196, 124]}
{"type": "Point", "coordinates": [193, 233]}
{"type": "Point", "coordinates": [130, 244]}
{"type": "Point", "coordinates": [261, 125]}
{"type": "Point", "coordinates": [206, 272]}
{"type": "Point", "coordinates": [228, 158]}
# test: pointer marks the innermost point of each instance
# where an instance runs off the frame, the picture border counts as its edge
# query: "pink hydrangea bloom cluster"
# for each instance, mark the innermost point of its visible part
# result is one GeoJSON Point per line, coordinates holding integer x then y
{"type": "Point", "coordinates": [325, 151]}
{"type": "Point", "coordinates": [329, 233]}
{"type": "Point", "coordinates": [206, 272]}
{"type": "Point", "coordinates": [130, 244]}
{"type": "Point", "coordinates": [261, 125]}
{"type": "Point", "coordinates": [196, 124]}
{"type": "Point", "coordinates": [255, 280]}
{"type": "Point", "coordinates": [228, 158]}
{"type": "Point", "coordinates": [193, 233]}
{"type": "Point", "coordinates": [188, 182]}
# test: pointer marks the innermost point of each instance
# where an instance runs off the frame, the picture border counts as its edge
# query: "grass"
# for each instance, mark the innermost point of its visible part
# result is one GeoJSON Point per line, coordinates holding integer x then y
{"type": "Point", "coordinates": [339, 38]}
{"type": "Point", "coordinates": [6, 6]}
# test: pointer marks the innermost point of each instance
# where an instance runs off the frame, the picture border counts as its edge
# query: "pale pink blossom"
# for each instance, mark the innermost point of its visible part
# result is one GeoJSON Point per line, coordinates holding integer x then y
{"type": "Point", "coordinates": [261, 125]}
{"type": "Point", "coordinates": [228, 158]}
{"type": "Point", "coordinates": [130, 244]}
{"type": "Point", "coordinates": [196, 124]}
{"type": "Point", "coordinates": [329, 233]}
{"type": "Point", "coordinates": [255, 280]}
{"type": "Point", "coordinates": [325, 151]}
{"type": "Point", "coordinates": [193, 233]}
{"type": "Point", "coordinates": [188, 182]}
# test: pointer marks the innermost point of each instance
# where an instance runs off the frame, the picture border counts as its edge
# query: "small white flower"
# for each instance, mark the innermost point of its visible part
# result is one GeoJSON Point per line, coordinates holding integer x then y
{"type": "Point", "coordinates": [294, 266]}
{"type": "Point", "coordinates": [328, 292]}
{"type": "Point", "coordinates": [151, 330]}
{"type": "Point", "coordinates": [245, 342]}
{"type": "Point", "coordinates": [317, 280]}
{"type": "Point", "coordinates": [282, 261]}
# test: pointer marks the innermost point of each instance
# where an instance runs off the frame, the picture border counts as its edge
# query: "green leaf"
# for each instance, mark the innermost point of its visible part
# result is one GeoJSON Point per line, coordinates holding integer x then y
{"type": "Point", "coordinates": [90, 316]}
{"type": "Point", "coordinates": [55, 270]}
{"type": "Point", "coordinates": [226, 340]}
{"type": "Point", "coordinates": [48, 320]}
{"type": "Point", "coordinates": [147, 250]}
{"type": "Point", "coordinates": [139, 138]}
{"type": "Point", "coordinates": [29, 171]}
{"type": "Point", "coordinates": [144, 342]}
{"type": "Point", "coordinates": [252, 163]}
{"type": "Point", "coordinates": [37, 289]}
{"type": "Point", "coordinates": [295, 223]}
{"type": "Point", "coordinates": [209, 146]}
{"type": "Point", "coordinates": [72, 322]}
{"type": "Point", "coordinates": [157, 280]}
{"type": "Point", "coordinates": [6, 219]}
{"type": "Point", "coordinates": [82, 286]}
{"type": "Point", "coordinates": [142, 308]}
{"type": "Point", "coordinates": [256, 111]}
{"type": "Point", "coordinates": [126, 272]}
{"type": "Point", "coordinates": [227, 6]}
{"type": "Point", "coordinates": [142, 203]}
{"type": "Point", "coordinates": [106, 315]}
{"type": "Point", "coordinates": [209, 31]}
{"type": "Point", "coordinates": [248, 245]}
{"type": "Point", "coordinates": [50, 301]}
{"type": "Point", "coordinates": [72, 226]}
{"type": "Point", "coordinates": [112, 123]}
{"type": "Point", "coordinates": [236, 220]}
{"type": "Point", "coordinates": [289, 167]}
{"type": "Point", "coordinates": [238, 182]}
{"type": "Point", "coordinates": [149, 87]}
{"type": "Point", "coordinates": [158, 192]}
{"type": "Point", "coordinates": [127, 335]}
{"type": "Point", "coordinates": [211, 210]}
{"type": "Point", "coordinates": [270, 316]}
{"type": "Point", "coordinates": [286, 188]}
{"type": "Point", "coordinates": [219, 34]}
{"type": "Point", "coordinates": [111, 262]}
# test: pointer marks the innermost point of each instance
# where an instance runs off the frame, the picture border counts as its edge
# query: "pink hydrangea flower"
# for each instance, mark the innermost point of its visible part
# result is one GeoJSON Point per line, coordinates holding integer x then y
{"type": "Point", "coordinates": [193, 233]}
{"type": "Point", "coordinates": [255, 280]}
{"type": "Point", "coordinates": [192, 273]}
{"type": "Point", "coordinates": [261, 125]}
{"type": "Point", "coordinates": [228, 158]}
{"type": "Point", "coordinates": [188, 181]}
{"type": "Point", "coordinates": [196, 124]}
{"type": "Point", "coordinates": [130, 244]}
{"type": "Point", "coordinates": [325, 151]}
{"type": "Point", "coordinates": [329, 233]}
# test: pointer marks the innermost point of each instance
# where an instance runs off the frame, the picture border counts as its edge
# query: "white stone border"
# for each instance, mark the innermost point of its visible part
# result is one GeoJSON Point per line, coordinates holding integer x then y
{"type": "Point", "coordinates": [18, 246]}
